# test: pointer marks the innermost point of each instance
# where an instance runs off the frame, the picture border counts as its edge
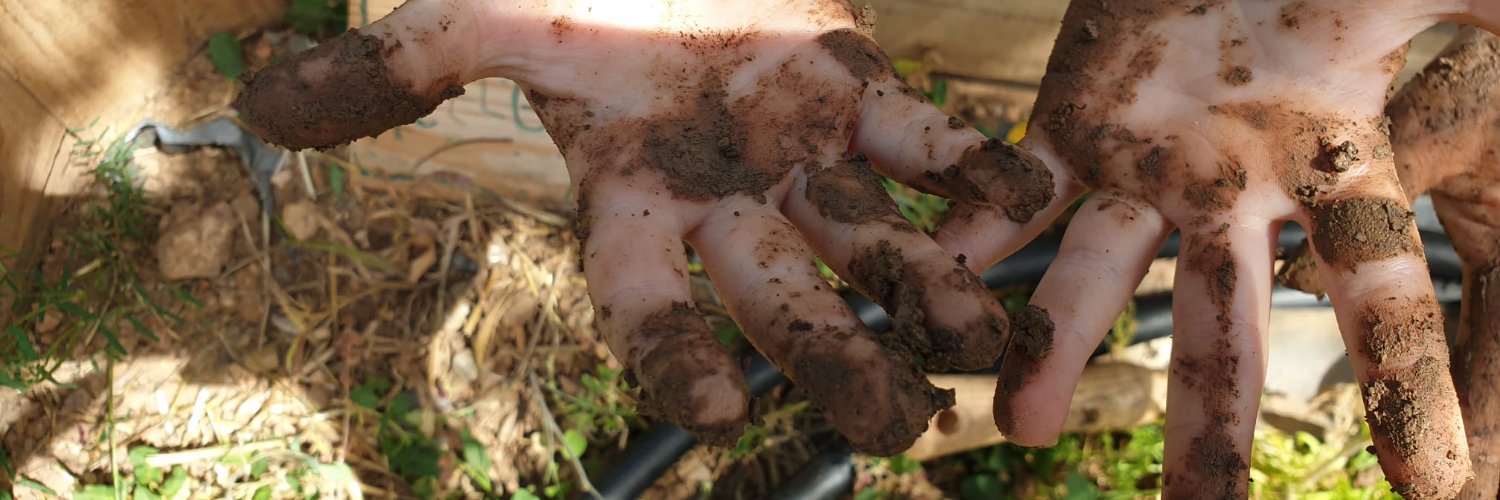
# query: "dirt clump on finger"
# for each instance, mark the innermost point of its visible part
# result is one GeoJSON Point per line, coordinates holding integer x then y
{"type": "Point", "coordinates": [1402, 410]}
{"type": "Point", "coordinates": [353, 95]}
{"type": "Point", "coordinates": [1030, 343]}
{"type": "Point", "coordinates": [1001, 174]}
{"type": "Point", "coordinates": [881, 405]}
{"type": "Point", "coordinates": [1217, 464]}
{"type": "Point", "coordinates": [687, 377]}
{"type": "Point", "coordinates": [1410, 405]}
{"type": "Point", "coordinates": [859, 54]}
{"type": "Point", "coordinates": [1352, 231]}
{"type": "Point", "coordinates": [1299, 271]}
{"type": "Point", "coordinates": [880, 273]}
{"type": "Point", "coordinates": [849, 192]}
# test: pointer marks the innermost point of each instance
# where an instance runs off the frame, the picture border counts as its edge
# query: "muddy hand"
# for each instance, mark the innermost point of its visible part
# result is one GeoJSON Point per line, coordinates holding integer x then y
{"type": "Point", "coordinates": [1445, 132]}
{"type": "Point", "coordinates": [1223, 120]}
{"type": "Point", "coordinates": [752, 130]}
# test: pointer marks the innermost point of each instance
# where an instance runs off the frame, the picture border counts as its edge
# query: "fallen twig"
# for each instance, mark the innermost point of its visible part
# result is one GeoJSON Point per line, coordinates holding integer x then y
{"type": "Point", "coordinates": [550, 423]}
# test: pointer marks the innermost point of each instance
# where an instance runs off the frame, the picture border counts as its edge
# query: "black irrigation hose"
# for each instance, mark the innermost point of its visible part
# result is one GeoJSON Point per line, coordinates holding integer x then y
{"type": "Point", "coordinates": [831, 474]}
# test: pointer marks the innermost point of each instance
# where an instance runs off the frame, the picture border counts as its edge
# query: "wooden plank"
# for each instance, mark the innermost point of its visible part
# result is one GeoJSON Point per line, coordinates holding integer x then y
{"type": "Point", "coordinates": [65, 64]}
{"type": "Point", "coordinates": [30, 144]}
{"type": "Point", "coordinates": [100, 58]}
{"type": "Point", "coordinates": [1007, 40]}
{"type": "Point", "coordinates": [489, 137]}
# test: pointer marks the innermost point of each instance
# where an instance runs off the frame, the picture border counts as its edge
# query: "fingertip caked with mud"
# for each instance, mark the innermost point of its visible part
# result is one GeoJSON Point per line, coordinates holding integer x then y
{"type": "Point", "coordinates": [1030, 344]}
{"type": "Point", "coordinates": [334, 93]}
{"type": "Point", "coordinates": [905, 289]}
{"type": "Point", "coordinates": [686, 377]}
{"type": "Point", "coordinates": [876, 398]}
{"type": "Point", "coordinates": [1410, 397]}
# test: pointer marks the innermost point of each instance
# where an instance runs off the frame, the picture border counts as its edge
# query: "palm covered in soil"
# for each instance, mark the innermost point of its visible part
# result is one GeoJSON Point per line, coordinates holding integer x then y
{"type": "Point", "coordinates": [1224, 120]}
{"type": "Point", "coordinates": [745, 129]}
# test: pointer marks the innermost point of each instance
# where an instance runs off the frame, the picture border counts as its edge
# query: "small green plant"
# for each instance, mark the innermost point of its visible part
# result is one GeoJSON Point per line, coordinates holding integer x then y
{"type": "Point", "coordinates": [102, 297]}
{"type": "Point", "coordinates": [923, 210]}
{"type": "Point", "coordinates": [147, 483]}
{"type": "Point", "coordinates": [318, 18]}
{"type": "Point", "coordinates": [1123, 331]}
{"type": "Point", "coordinates": [604, 411]}
{"type": "Point", "coordinates": [409, 453]}
{"type": "Point", "coordinates": [225, 52]}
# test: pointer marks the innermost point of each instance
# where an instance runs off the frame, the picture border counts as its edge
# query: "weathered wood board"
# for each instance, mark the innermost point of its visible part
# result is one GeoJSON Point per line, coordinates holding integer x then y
{"type": "Point", "coordinates": [66, 64]}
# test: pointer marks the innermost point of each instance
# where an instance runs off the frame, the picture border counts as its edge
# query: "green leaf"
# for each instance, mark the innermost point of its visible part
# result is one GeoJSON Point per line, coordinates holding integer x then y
{"type": "Point", "coordinates": [95, 492]}
{"type": "Point", "coordinates": [981, 487]}
{"type": "Point", "coordinates": [575, 443]}
{"type": "Point", "coordinates": [144, 472]}
{"type": "Point", "coordinates": [728, 334]}
{"type": "Point", "coordinates": [904, 465]}
{"type": "Point", "coordinates": [23, 344]}
{"type": "Point", "coordinates": [145, 493]}
{"type": "Point", "coordinates": [309, 16]}
{"type": "Point", "coordinates": [73, 310]}
{"type": "Point", "coordinates": [939, 93]}
{"type": "Point", "coordinates": [364, 258]}
{"type": "Point", "coordinates": [224, 51]}
{"type": "Point", "coordinates": [477, 461]}
{"type": "Point", "coordinates": [33, 484]}
{"type": "Point", "coordinates": [262, 493]}
{"type": "Point", "coordinates": [259, 467]}
{"type": "Point", "coordinates": [141, 327]}
{"type": "Point", "coordinates": [868, 493]}
{"type": "Point", "coordinates": [114, 340]}
{"type": "Point", "coordinates": [336, 180]}
{"type": "Point", "coordinates": [1080, 488]}
{"type": "Point", "coordinates": [174, 482]}
{"type": "Point", "coordinates": [525, 494]}
{"type": "Point", "coordinates": [906, 66]}
{"type": "Point", "coordinates": [187, 296]}
{"type": "Point", "coordinates": [415, 462]}
{"type": "Point", "coordinates": [369, 393]}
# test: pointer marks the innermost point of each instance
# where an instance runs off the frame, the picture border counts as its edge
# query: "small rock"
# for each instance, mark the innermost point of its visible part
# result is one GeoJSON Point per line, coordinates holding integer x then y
{"type": "Point", "coordinates": [301, 219]}
{"type": "Point", "coordinates": [246, 206]}
{"type": "Point", "coordinates": [197, 242]}
{"type": "Point", "coordinates": [49, 321]}
{"type": "Point", "coordinates": [463, 366]}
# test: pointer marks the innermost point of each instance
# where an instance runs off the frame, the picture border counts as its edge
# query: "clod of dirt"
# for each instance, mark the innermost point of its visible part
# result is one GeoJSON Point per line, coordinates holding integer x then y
{"type": "Point", "coordinates": [880, 273]}
{"type": "Point", "coordinates": [1030, 343]}
{"type": "Point", "coordinates": [1219, 462]}
{"type": "Point", "coordinates": [247, 207]}
{"type": "Point", "coordinates": [337, 92]}
{"type": "Point", "coordinates": [300, 219]}
{"type": "Point", "coordinates": [1402, 408]}
{"type": "Point", "coordinates": [1337, 158]}
{"type": "Point", "coordinates": [1237, 76]}
{"type": "Point", "coordinates": [849, 192]}
{"type": "Point", "coordinates": [699, 151]}
{"type": "Point", "coordinates": [882, 406]}
{"type": "Point", "coordinates": [858, 53]}
{"type": "Point", "coordinates": [1352, 231]}
{"type": "Point", "coordinates": [687, 377]}
{"type": "Point", "coordinates": [1452, 90]}
{"type": "Point", "coordinates": [1299, 271]}
{"type": "Point", "coordinates": [195, 242]}
{"type": "Point", "coordinates": [1000, 174]}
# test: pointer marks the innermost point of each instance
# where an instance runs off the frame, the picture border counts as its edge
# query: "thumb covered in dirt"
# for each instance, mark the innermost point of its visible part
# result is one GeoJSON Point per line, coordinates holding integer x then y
{"type": "Point", "coordinates": [366, 81]}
